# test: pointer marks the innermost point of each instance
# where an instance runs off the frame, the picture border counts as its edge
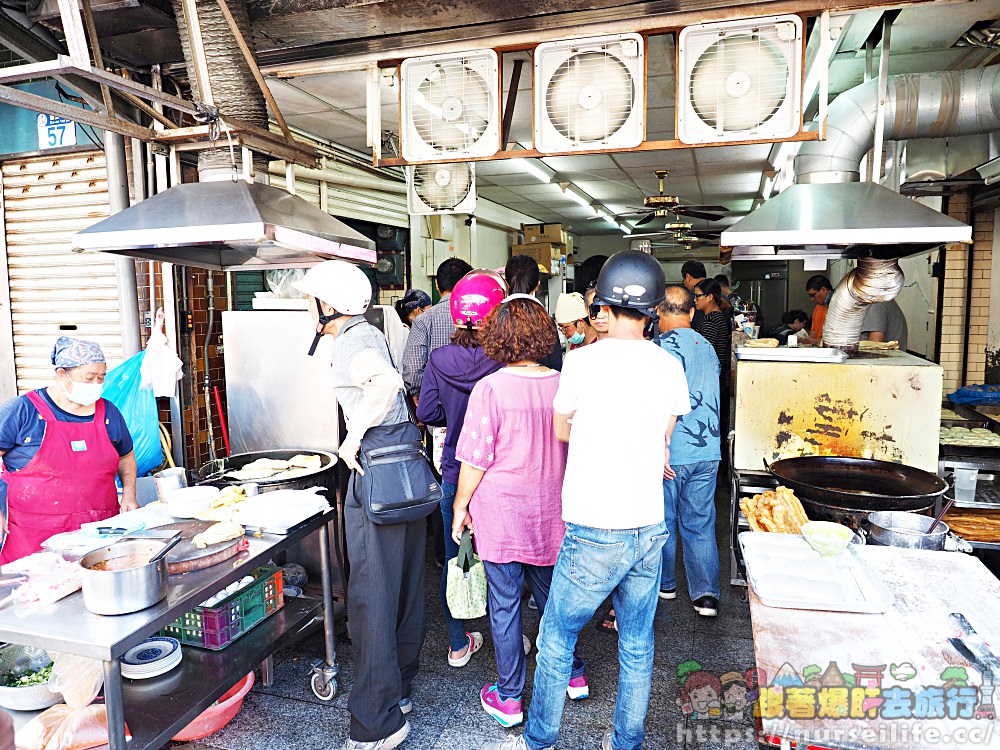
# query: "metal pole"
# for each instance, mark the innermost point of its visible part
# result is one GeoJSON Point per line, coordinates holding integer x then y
{"type": "Point", "coordinates": [128, 291]}
{"type": "Point", "coordinates": [883, 89]}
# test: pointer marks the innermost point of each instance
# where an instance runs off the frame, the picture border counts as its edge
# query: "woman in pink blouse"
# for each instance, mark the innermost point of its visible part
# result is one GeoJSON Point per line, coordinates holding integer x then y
{"type": "Point", "coordinates": [518, 526]}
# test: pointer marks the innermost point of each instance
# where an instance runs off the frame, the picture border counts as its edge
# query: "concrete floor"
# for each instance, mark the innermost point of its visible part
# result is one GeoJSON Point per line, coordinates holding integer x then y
{"type": "Point", "coordinates": [447, 714]}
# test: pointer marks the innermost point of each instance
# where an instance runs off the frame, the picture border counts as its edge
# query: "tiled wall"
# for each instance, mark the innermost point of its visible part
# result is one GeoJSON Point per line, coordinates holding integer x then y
{"type": "Point", "coordinates": [958, 277]}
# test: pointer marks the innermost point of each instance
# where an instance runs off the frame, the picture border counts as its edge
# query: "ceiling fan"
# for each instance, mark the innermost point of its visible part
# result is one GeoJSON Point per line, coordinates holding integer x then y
{"type": "Point", "coordinates": [662, 206]}
{"type": "Point", "coordinates": [681, 231]}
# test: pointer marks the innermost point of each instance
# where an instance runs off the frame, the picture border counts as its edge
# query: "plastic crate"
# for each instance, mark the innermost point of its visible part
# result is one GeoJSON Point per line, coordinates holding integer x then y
{"type": "Point", "coordinates": [217, 626]}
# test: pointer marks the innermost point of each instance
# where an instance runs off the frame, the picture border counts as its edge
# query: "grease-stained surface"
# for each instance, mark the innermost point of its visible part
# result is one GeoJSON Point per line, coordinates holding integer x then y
{"type": "Point", "coordinates": [885, 406]}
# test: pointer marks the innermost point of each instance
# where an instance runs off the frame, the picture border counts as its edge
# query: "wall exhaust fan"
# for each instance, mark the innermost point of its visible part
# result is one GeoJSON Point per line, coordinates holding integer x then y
{"type": "Point", "coordinates": [740, 80]}
{"type": "Point", "coordinates": [449, 106]}
{"type": "Point", "coordinates": [590, 94]}
{"type": "Point", "coordinates": [441, 188]}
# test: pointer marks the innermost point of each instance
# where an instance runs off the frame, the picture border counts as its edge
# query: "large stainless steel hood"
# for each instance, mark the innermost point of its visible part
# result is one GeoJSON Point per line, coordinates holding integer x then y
{"type": "Point", "coordinates": [227, 226]}
{"type": "Point", "coordinates": [843, 214]}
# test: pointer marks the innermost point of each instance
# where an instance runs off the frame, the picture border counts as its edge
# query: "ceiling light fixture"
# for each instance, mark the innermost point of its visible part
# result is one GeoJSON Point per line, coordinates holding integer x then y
{"type": "Point", "coordinates": [576, 195]}
{"type": "Point", "coordinates": [537, 169]}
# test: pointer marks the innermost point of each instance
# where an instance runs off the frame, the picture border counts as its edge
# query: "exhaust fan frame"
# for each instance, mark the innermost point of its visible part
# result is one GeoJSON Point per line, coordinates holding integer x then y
{"type": "Point", "coordinates": [422, 204]}
{"type": "Point", "coordinates": [723, 86]}
{"type": "Point", "coordinates": [557, 63]}
{"type": "Point", "coordinates": [464, 85]}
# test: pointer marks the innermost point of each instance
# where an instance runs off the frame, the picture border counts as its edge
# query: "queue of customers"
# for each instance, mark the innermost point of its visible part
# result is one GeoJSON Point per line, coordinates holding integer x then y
{"type": "Point", "coordinates": [485, 363]}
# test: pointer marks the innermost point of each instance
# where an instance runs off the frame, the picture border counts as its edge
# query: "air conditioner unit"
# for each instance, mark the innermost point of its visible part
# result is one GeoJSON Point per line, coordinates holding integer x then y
{"type": "Point", "coordinates": [441, 188]}
{"type": "Point", "coordinates": [450, 106]}
{"type": "Point", "coordinates": [590, 94]}
{"type": "Point", "coordinates": [740, 80]}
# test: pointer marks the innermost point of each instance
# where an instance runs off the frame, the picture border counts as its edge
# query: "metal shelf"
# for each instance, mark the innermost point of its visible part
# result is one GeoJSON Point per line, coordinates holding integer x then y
{"type": "Point", "coordinates": [157, 709]}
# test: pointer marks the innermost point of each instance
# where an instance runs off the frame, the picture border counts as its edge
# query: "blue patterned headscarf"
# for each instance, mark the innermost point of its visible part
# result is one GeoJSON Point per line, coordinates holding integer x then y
{"type": "Point", "coordinates": [69, 352]}
{"type": "Point", "coordinates": [415, 298]}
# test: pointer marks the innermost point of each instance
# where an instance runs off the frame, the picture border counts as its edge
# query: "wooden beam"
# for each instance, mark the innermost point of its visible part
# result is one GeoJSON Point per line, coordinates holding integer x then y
{"type": "Point", "coordinates": [95, 44]}
{"type": "Point", "coordinates": [78, 114]}
{"type": "Point", "coordinates": [531, 153]}
{"type": "Point", "coordinates": [508, 110]}
{"type": "Point", "coordinates": [254, 70]}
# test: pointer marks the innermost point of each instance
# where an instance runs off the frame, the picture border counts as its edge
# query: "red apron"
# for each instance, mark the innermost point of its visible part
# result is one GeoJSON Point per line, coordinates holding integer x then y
{"type": "Point", "coordinates": [69, 482]}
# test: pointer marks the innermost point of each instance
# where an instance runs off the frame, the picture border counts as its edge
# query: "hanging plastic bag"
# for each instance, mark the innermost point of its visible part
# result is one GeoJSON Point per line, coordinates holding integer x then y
{"type": "Point", "coordinates": [466, 592]}
{"type": "Point", "coordinates": [78, 678]}
{"type": "Point", "coordinates": [280, 281]}
{"type": "Point", "coordinates": [161, 367]}
{"type": "Point", "coordinates": [123, 388]}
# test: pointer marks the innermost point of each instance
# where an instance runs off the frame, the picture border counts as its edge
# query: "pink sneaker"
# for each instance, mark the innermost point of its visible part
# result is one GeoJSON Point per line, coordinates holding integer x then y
{"type": "Point", "coordinates": [507, 711]}
{"type": "Point", "coordinates": [578, 689]}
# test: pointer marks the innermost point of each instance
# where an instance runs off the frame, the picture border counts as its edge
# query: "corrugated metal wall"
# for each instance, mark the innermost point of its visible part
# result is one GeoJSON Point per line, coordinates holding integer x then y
{"type": "Point", "coordinates": [54, 291]}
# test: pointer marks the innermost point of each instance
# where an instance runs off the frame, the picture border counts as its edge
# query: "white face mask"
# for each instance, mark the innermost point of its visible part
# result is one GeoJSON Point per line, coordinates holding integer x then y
{"type": "Point", "coordinates": [84, 394]}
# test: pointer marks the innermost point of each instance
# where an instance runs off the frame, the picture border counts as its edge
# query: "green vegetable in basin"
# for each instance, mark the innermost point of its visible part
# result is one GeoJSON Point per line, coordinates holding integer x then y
{"type": "Point", "coordinates": [37, 677]}
{"type": "Point", "coordinates": [827, 538]}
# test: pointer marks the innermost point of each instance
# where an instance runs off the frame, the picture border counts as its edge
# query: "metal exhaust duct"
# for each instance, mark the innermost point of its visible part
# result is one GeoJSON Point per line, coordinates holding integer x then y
{"type": "Point", "coordinates": [873, 280]}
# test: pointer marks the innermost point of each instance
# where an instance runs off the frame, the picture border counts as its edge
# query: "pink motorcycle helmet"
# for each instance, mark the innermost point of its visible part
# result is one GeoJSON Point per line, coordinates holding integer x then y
{"type": "Point", "coordinates": [474, 296]}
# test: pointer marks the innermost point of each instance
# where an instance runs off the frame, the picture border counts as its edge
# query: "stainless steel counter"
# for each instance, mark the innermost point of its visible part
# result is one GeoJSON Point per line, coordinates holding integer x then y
{"type": "Point", "coordinates": [158, 708]}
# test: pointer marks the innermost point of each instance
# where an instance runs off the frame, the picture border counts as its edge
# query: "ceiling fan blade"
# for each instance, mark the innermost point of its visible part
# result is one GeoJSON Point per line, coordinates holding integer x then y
{"type": "Point", "coordinates": [685, 211]}
{"type": "Point", "coordinates": [646, 219]}
{"type": "Point", "coordinates": [696, 207]}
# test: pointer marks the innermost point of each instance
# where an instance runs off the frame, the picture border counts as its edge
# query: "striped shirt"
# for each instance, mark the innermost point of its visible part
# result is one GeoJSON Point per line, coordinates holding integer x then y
{"type": "Point", "coordinates": [430, 331]}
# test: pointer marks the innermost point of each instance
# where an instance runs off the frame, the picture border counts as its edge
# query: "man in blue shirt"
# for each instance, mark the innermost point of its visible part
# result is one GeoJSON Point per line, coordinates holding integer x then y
{"type": "Point", "coordinates": [689, 498]}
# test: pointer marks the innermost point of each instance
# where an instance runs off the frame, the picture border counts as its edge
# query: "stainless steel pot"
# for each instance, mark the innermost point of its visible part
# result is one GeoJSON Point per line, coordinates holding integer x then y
{"type": "Point", "coordinates": [893, 528]}
{"type": "Point", "coordinates": [129, 583]}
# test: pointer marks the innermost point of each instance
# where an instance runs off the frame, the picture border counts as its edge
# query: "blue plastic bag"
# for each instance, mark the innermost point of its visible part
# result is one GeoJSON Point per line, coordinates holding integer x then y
{"type": "Point", "coordinates": [976, 394]}
{"type": "Point", "coordinates": [123, 388]}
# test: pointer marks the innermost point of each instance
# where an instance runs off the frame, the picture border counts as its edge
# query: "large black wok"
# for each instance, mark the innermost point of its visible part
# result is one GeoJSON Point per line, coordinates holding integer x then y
{"type": "Point", "coordinates": [858, 483]}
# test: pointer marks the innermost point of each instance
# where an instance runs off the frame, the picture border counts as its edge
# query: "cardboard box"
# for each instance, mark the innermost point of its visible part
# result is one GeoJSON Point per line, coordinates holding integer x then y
{"type": "Point", "coordinates": [543, 233]}
{"type": "Point", "coordinates": [543, 252]}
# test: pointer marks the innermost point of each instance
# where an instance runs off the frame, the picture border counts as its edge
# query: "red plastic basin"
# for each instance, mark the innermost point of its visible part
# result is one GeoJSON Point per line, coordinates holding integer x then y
{"type": "Point", "coordinates": [214, 718]}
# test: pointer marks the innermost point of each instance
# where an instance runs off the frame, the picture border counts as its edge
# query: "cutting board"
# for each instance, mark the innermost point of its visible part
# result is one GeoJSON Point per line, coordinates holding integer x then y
{"type": "Point", "coordinates": [185, 557]}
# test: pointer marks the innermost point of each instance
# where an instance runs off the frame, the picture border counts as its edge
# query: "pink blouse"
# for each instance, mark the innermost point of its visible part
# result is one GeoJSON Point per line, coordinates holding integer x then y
{"type": "Point", "coordinates": [508, 433]}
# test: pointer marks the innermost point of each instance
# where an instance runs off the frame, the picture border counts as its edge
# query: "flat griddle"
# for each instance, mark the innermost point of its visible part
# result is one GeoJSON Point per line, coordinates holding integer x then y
{"type": "Point", "coordinates": [185, 557]}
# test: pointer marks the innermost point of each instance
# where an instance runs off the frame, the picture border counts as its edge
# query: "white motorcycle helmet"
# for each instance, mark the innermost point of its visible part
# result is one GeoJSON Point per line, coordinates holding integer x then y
{"type": "Point", "coordinates": [341, 285]}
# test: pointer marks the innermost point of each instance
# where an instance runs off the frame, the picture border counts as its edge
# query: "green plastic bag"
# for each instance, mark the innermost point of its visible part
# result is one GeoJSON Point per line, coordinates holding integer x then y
{"type": "Point", "coordinates": [466, 593]}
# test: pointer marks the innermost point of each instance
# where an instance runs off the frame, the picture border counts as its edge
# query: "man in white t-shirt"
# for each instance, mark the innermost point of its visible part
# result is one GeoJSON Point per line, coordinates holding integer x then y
{"type": "Point", "coordinates": [613, 508]}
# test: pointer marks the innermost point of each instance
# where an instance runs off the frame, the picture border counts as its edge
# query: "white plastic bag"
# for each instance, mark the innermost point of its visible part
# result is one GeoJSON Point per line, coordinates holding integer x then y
{"type": "Point", "coordinates": [161, 367]}
{"type": "Point", "coordinates": [280, 281]}
{"type": "Point", "coordinates": [78, 678]}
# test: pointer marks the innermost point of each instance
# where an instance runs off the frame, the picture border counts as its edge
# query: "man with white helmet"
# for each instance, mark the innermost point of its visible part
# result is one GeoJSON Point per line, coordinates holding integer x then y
{"type": "Point", "coordinates": [574, 321]}
{"type": "Point", "coordinates": [385, 591]}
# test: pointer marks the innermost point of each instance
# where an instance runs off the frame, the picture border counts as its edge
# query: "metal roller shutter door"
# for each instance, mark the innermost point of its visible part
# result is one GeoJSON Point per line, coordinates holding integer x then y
{"type": "Point", "coordinates": [350, 202]}
{"type": "Point", "coordinates": [53, 290]}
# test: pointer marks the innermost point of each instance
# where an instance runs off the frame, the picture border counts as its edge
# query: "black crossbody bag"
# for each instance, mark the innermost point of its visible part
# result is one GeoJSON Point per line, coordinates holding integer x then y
{"type": "Point", "coordinates": [399, 485]}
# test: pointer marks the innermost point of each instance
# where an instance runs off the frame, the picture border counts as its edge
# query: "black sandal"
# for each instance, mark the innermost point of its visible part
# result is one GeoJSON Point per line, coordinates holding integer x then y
{"type": "Point", "coordinates": [609, 624]}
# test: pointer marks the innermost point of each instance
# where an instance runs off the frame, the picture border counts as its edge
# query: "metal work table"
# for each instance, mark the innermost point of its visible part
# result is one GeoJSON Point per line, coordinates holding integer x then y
{"type": "Point", "coordinates": [156, 709]}
{"type": "Point", "coordinates": [912, 635]}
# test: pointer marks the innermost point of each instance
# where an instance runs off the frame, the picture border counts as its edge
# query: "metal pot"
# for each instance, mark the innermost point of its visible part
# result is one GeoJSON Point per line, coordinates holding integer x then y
{"type": "Point", "coordinates": [135, 586]}
{"type": "Point", "coordinates": [899, 529]}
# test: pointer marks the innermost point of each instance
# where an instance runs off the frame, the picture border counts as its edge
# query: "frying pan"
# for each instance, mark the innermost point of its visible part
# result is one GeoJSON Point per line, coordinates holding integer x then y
{"type": "Point", "coordinates": [866, 484]}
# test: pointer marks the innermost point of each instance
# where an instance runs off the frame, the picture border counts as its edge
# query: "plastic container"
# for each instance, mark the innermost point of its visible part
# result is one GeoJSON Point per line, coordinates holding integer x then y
{"type": "Point", "coordinates": [214, 718]}
{"type": "Point", "coordinates": [186, 501]}
{"type": "Point", "coordinates": [217, 626]}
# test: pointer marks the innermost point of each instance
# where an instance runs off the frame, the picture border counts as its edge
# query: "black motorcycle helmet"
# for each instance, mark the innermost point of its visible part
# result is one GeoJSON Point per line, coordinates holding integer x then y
{"type": "Point", "coordinates": [632, 278]}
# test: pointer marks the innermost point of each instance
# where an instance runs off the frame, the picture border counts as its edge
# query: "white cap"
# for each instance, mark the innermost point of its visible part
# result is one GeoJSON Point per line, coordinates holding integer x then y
{"type": "Point", "coordinates": [570, 307]}
{"type": "Point", "coordinates": [341, 285]}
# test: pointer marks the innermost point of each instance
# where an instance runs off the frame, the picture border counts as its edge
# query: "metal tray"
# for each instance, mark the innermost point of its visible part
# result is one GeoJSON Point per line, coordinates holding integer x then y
{"type": "Point", "coordinates": [787, 573]}
{"type": "Point", "coordinates": [792, 354]}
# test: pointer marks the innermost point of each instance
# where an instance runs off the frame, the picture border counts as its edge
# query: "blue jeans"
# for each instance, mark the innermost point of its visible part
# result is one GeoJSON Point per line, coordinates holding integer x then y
{"type": "Point", "coordinates": [504, 585]}
{"type": "Point", "coordinates": [456, 628]}
{"type": "Point", "coordinates": [592, 564]}
{"type": "Point", "coordinates": [689, 506]}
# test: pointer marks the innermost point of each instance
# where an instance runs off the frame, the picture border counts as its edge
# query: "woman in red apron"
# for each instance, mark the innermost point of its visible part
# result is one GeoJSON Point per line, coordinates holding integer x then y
{"type": "Point", "coordinates": [62, 447]}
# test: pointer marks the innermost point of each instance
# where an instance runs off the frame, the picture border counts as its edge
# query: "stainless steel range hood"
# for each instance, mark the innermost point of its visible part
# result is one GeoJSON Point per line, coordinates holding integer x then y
{"type": "Point", "coordinates": [829, 217]}
{"type": "Point", "coordinates": [827, 209]}
{"type": "Point", "coordinates": [226, 226]}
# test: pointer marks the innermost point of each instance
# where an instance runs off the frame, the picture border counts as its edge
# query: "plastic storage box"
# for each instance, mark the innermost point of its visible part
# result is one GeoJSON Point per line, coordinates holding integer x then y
{"type": "Point", "coordinates": [217, 626]}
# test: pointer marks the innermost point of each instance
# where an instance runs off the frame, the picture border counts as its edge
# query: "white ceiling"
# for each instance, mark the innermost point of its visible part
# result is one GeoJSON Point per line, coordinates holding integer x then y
{"type": "Point", "coordinates": [332, 107]}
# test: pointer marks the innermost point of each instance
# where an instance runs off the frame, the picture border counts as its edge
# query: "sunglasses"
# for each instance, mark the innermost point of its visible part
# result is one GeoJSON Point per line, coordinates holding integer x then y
{"type": "Point", "coordinates": [594, 310]}
{"type": "Point", "coordinates": [700, 295]}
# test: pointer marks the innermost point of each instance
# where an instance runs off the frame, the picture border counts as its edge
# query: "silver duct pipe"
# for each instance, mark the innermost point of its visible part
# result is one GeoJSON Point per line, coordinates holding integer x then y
{"type": "Point", "coordinates": [924, 105]}
{"type": "Point", "coordinates": [874, 280]}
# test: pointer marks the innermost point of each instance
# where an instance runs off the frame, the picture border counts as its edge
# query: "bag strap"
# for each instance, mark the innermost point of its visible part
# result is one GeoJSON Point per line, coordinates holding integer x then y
{"type": "Point", "coordinates": [466, 555]}
{"type": "Point", "coordinates": [402, 392]}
